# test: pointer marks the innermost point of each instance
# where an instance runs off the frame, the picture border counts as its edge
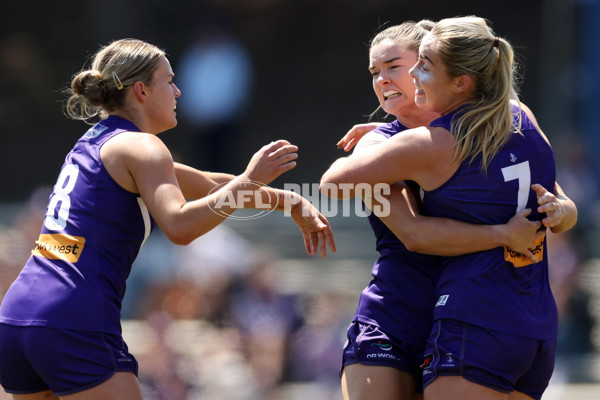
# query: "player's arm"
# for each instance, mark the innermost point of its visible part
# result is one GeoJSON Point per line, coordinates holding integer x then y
{"type": "Point", "coordinates": [399, 210]}
{"type": "Point", "coordinates": [354, 135]}
{"type": "Point", "coordinates": [313, 225]}
{"type": "Point", "coordinates": [315, 228]}
{"type": "Point", "coordinates": [423, 155]}
{"type": "Point", "coordinates": [561, 211]}
{"type": "Point", "coordinates": [150, 165]}
{"type": "Point", "coordinates": [195, 183]}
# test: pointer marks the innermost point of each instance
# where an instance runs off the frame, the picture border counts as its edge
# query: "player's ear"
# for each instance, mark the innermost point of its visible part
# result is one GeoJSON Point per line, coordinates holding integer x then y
{"type": "Point", "coordinates": [463, 83]}
{"type": "Point", "coordinates": [139, 90]}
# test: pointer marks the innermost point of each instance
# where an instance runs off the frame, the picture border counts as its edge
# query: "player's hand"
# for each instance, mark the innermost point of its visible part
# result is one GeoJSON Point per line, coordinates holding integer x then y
{"type": "Point", "coordinates": [353, 136]}
{"type": "Point", "coordinates": [549, 204]}
{"type": "Point", "coordinates": [315, 228]}
{"type": "Point", "coordinates": [524, 234]}
{"type": "Point", "coordinates": [271, 161]}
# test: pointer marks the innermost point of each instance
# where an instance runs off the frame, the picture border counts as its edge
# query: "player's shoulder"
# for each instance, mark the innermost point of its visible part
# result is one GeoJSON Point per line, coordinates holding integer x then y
{"type": "Point", "coordinates": [138, 147]}
{"type": "Point", "coordinates": [430, 136]}
{"type": "Point", "coordinates": [136, 141]}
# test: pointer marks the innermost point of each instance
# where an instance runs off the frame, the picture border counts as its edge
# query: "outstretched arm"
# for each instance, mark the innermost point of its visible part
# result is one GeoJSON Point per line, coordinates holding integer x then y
{"type": "Point", "coordinates": [423, 155]}
{"type": "Point", "coordinates": [315, 228]}
{"type": "Point", "coordinates": [154, 177]}
{"type": "Point", "coordinates": [196, 184]}
{"type": "Point", "coordinates": [448, 237]}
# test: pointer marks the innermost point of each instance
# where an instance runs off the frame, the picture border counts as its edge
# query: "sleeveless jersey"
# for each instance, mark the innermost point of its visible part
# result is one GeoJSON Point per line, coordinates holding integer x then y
{"type": "Point", "coordinates": [497, 289]}
{"type": "Point", "coordinates": [92, 232]}
{"type": "Point", "coordinates": [400, 297]}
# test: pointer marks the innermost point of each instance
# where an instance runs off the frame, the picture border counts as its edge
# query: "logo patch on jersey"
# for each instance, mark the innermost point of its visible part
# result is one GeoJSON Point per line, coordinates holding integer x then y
{"type": "Point", "coordinates": [59, 246]}
{"type": "Point", "coordinates": [519, 260]}
{"type": "Point", "coordinates": [95, 131]}
{"type": "Point", "coordinates": [427, 361]}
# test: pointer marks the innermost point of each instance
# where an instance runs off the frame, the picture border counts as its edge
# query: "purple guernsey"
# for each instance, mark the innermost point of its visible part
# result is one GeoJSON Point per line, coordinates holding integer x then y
{"type": "Point", "coordinates": [92, 232]}
{"type": "Point", "coordinates": [400, 297]}
{"type": "Point", "coordinates": [497, 289]}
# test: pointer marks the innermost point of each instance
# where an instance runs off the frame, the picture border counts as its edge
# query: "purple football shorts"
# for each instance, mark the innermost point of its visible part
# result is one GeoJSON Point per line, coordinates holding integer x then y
{"type": "Point", "coordinates": [369, 345]}
{"type": "Point", "coordinates": [497, 360]}
{"type": "Point", "coordinates": [35, 359]}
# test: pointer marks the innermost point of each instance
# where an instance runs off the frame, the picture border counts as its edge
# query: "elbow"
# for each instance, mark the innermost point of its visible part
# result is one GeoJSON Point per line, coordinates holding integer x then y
{"type": "Point", "coordinates": [328, 178]}
{"type": "Point", "coordinates": [414, 244]}
{"type": "Point", "coordinates": [334, 181]}
{"type": "Point", "coordinates": [409, 231]}
{"type": "Point", "coordinates": [337, 186]}
{"type": "Point", "coordinates": [179, 234]}
{"type": "Point", "coordinates": [329, 186]}
{"type": "Point", "coordinates": [183, 241]}
{"type": "Point", "coordinates": [179, 238]}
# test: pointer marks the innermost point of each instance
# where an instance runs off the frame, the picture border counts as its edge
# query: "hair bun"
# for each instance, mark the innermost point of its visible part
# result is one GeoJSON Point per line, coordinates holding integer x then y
{"type": "Point", "coordinates": [90, 84]}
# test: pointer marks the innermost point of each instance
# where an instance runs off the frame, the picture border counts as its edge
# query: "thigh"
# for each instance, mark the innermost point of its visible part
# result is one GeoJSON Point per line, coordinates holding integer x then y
{"type": "Point", "coordinates": [458, 388]}
{"type": "Point", "coordinates": [533, 383]}
{"type": "Point", "coordinates": [365, 382]}
{"type": "Point", "coordinates": [369, 345]}
{"type": "Point", "coordinates": [519, 396]}
{"type": "Point", "coordinates": [45, 395]}
{"type": "Point", "coordinates": [121, 386]}
{"type": "Point", "coordinates": [488, 358]}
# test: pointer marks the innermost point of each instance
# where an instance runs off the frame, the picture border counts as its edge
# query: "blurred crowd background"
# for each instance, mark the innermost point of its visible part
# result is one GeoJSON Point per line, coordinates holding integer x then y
{"type": "Point", "coordinates": [243, 313]}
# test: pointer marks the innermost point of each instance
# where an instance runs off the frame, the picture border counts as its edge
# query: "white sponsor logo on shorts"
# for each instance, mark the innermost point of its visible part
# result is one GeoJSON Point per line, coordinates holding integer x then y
{"type": "Point", "coordinates": [442, 300]}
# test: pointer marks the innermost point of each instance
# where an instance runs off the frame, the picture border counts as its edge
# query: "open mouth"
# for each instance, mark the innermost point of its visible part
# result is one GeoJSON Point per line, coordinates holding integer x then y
{"type": "Point", "coordinates": [390, 94]}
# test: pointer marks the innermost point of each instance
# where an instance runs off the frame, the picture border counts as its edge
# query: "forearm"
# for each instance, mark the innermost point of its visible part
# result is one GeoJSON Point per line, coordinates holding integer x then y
{"type": "Point", "coordinates": [183, 221]}
{"type": "Point", "coordinates": [569, 218]}
{"type": "Point", "coordinates": [432, 235]}
{"type": "Point", "coordinates": [446, 237]}
{"type": "Point", "coordinates": [196, 184]}
{"type": "Point", "coordinates": [275, 199]}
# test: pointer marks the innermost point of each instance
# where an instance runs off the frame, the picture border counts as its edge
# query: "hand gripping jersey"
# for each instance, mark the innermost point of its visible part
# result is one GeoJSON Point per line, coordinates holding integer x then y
{"type": "Point", "coordinates": [400, 297]}
{"type": "Point", "coordinates": [497, 289]}
{"type": "Point", "coordinates": [92, 232]}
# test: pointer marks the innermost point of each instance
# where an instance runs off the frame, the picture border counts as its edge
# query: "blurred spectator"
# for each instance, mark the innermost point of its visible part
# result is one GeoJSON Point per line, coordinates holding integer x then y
{"type": "Point", "coordinates": [215, 72]}
{"type": "Point", "coordinates": [17, 240]}
{"type": "Point", "coordinates": [182, 295]}
{"type": "Point", "coordinates": [315, 353]}
{"type": "Point", "coordinates": [24, 84]}
{"type": "Point", "coordinates": [266, 318]}
{"type": "Point", "coordinates": [576, 322]}
{"type": "Point", "coordinates": [577, 178]}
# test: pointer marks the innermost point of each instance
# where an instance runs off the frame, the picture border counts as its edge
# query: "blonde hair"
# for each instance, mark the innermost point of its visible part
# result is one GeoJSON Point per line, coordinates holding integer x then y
{"type": "Point", "coordinates": [101, 89]}
{"type": "Point", "coordinates": [408, 34]}
{"type": "Point", "coordinates": [467, 45]}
